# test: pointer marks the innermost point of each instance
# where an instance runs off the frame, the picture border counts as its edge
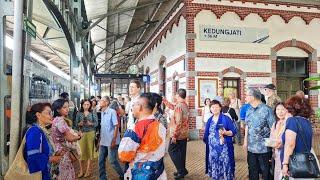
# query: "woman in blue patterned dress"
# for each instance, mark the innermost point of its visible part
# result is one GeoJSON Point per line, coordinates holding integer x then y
{"type": "Point", "coordinates": [220, 164]}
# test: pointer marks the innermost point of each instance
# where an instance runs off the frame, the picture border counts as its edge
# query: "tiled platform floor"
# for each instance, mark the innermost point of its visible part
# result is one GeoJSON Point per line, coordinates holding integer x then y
{"type": "Point", "coordinates": [196, 161]}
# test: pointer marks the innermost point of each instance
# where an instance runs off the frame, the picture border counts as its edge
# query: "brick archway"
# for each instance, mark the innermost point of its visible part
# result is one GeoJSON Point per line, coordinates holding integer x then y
{"type": "Point", "coordinates": [242, 79]}
{"type": "Point", "coordinates": [232, 69]}
{"type": "Point", "coordinates": [312, 62]}
{"type": "Point", "coordinates": [294, 43]}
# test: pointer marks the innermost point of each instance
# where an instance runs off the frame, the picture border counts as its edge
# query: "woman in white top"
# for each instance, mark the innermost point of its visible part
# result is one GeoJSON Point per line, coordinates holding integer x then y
{"type": "Point", "coordinates": [206, 114]}
{"type": "Point", "coordinates": [235, 103]}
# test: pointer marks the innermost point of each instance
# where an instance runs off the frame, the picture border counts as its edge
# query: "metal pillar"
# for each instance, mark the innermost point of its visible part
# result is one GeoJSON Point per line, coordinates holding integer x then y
{"type": "Point", "coordinates": [6, 9]}
{"type": "Point", "coordinates": [26, 77]}
{"type": "Point", "coordinates": [89, 87]}
{"type": "Point", "coordinates": [71, 78]}
{"type": "Point", "coordinates": [16, 80]}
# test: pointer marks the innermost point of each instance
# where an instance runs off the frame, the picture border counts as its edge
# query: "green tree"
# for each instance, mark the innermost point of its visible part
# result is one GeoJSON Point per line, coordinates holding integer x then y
{"type": "Point", "coordinates": [316, 87]}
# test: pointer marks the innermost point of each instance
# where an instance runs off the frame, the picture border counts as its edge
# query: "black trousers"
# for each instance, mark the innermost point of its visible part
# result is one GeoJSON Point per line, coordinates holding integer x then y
{"type": "Point", "coordinates": [178, 152]}
{"type": "Point", "coordinates": [259, 163]}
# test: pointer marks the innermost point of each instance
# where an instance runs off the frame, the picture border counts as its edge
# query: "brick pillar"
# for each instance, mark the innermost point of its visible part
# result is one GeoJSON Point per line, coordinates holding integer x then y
{"type": "Point", "coordinates": [273, 58]}
{"type": "Point", "coordinates": [242, 87]}
{"type": "Point", "coordinates": [162, 80]}
{"type": "Point", "coordinates": [190, 68]}
{"type": "Point", "coordinates": [312, 66]}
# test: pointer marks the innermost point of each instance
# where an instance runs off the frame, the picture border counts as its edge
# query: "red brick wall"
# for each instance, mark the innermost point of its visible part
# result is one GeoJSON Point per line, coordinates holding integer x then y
{"type": "Point", "coordinates": [189, 60]}
{"type": "Point", "coordinates": [277, 3]}
{"type": "Point", "coordinates": [233, 56]}
{"type": "Point", "coordinates": [242, 12]}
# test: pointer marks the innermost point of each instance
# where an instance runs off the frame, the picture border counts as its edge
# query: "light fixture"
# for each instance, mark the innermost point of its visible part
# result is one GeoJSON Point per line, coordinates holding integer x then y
{"type": "Point", "coordinates": [51, 67]}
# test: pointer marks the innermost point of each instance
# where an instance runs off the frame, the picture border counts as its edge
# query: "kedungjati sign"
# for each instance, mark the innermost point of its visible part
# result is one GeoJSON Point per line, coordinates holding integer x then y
{"type": "Point", "coordinates": [233, 34]}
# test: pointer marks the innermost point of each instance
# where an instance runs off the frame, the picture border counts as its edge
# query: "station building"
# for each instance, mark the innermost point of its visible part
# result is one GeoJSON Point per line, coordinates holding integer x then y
{"type": "Point", "coordinates": [203, 45]}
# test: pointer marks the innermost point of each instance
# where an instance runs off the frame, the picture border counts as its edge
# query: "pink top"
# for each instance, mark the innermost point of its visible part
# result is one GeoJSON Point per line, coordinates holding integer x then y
{"type": "Point", "coordinates": [59, 127]}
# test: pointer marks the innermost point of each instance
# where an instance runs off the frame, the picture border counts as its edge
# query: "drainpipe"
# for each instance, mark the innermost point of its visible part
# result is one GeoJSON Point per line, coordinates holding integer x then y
{"type": "Point", "coordinates": [16, 80]}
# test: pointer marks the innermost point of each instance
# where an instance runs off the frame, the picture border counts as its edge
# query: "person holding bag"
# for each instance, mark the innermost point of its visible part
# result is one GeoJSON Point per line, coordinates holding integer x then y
{"type": "Point", "coordinates": [86, 121]}
{"type": "Point", "coordinates": [36, 158]}
{"type": "Point", "coordinates": [296, 156]}
{"type": "Point", "coordinates": [62, 134]}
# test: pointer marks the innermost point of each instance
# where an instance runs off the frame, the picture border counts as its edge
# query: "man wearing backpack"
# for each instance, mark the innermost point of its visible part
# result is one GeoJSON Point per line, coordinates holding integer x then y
{"type": "Point", "coordinates": [143, 146]}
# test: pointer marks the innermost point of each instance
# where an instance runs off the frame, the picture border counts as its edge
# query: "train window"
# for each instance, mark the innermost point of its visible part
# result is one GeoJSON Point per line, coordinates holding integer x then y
{"type": "Point", "coordinates": [120, 86]}
{"type": "Point", "coordinates": [8, 44]}
{"type": "Point", "coordinates": [40, 88]}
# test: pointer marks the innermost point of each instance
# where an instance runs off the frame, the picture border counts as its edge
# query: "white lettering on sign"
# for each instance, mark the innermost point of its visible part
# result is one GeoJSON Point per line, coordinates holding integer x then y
{"type": "Point", "coordinates": [233, 34]}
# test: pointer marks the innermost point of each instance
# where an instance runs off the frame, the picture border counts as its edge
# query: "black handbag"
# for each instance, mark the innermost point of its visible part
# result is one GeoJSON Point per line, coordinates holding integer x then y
{"type": "Point", "coordinates": [303, 165]}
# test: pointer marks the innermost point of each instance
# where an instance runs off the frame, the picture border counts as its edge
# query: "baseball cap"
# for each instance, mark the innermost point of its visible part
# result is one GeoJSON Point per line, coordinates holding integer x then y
{"type": "Point", "coordinates": [270, 86]}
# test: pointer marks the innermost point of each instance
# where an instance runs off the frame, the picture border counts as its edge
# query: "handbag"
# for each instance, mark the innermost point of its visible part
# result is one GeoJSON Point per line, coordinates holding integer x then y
{"type": "Point", "coordinates": [147, 170]}
{"type": "Point", "coordinates": [303, 165]}
{"type": "Point", "coordinates": [73, 156]}
{"type": "Point", "coordinates": [19, 168]}
{"type": "Point", "coordinates": [73, 149]}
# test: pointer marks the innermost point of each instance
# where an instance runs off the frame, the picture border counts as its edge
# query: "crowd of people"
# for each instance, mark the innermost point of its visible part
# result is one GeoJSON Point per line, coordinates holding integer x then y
{"type": "Point", "coordinates": [273, 131]}
{"type": "Point", "coordinates": [132, 133]}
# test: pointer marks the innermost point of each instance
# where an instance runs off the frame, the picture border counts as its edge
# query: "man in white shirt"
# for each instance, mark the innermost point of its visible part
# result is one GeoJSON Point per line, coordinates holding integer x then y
{"type": "Point", "coordinates": [110, 139]}
{"type": "Point", "coordinates": [134, 91]}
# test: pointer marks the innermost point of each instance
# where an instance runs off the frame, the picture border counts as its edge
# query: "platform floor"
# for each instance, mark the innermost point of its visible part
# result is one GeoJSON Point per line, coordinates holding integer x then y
{"type": "Point", "coordinates": [196, 162]}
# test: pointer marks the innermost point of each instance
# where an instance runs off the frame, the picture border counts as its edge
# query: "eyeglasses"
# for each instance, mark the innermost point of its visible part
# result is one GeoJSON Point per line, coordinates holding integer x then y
{"type": "Point", "coordinates": [48, 113]}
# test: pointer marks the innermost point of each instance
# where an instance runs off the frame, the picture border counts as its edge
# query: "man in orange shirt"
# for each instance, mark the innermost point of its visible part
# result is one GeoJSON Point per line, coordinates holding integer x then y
{"type": "Point", "coordinates": [179, 131]}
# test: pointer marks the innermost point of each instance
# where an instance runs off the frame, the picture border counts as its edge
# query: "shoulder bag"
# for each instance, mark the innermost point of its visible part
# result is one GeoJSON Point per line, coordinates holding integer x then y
{"type": "Point", "coordinates": [19, 168]}
{"type": "Point", "coordinates": [303, 165]}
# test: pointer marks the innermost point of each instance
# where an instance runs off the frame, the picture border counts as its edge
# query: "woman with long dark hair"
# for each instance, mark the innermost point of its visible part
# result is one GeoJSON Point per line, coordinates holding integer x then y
{"type": "Point", "coordinates": [39, 148]}
{"type": "Point", "coordinates": [275, 137]}
{"type": "Point", "coordinates": [61, 134]}
{"type": "Point", "coordinates": [86, 121]}
{"type": "Point", "coordinates": [93, 106]}
{"type": "Point", "coordinates": [158, 111]}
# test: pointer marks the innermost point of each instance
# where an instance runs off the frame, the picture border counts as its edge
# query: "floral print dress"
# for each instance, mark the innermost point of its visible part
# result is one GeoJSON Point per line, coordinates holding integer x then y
{"type": "Point", "coordinates": [219, 167]}
{"type": "Point", "coordinates": [59, 127]}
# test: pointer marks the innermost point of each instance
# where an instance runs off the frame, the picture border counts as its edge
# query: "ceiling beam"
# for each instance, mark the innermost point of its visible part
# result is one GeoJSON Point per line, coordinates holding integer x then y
{"type": "Point", "coordinates": [51, 59]}
{"type": "Point", "coordinates": [152, 17]}
{"type": "Point", "coordinates": [46, 32]}
{"type": "Point", "coordinates": [148, 39]}
{"type": "Point", "coordinates": [54, 38]}
{"type": "Point", "coordinates": [113, 55]}
{"type": "Point", "coordinates": [49, 46]}
{"type": "Point", "coordinates": [118, 11]}
{"type": "Point", "coordinates": [118, 36]}
{"type": "Point", "coordinates": [43, 22]}
{"type": "Point", "coordinates": [120, 3]}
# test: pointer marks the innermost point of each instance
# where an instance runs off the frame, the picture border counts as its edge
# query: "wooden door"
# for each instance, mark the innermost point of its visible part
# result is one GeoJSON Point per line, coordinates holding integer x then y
{"type": "Point", "coordinates": [288, 86]}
